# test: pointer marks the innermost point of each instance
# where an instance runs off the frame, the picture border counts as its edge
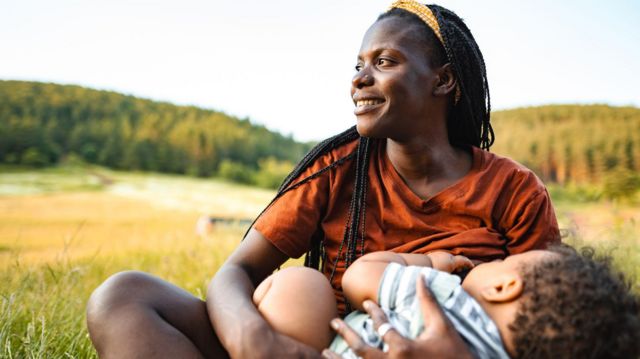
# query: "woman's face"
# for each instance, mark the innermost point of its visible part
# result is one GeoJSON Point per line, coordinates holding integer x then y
{"type": "Point", "coordinates": [393, 86]}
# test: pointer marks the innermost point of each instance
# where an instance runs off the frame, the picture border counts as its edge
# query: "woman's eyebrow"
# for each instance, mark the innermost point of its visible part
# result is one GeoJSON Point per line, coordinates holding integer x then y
{"type": "Point", "coordinates": [378, 51]}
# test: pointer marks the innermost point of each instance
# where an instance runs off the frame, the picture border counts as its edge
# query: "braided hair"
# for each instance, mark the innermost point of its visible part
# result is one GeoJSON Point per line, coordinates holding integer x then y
{"type": "Point", "coordinates": [467, 124]}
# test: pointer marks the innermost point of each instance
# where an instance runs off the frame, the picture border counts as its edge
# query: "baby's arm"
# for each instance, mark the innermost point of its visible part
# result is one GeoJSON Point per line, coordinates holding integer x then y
{"type": "Point", "coordinates": [362, 279]}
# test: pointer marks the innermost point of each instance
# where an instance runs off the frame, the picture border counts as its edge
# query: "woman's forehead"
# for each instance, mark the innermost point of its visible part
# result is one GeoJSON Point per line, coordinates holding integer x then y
{"type": "Point", "coordinates": [393, 33]}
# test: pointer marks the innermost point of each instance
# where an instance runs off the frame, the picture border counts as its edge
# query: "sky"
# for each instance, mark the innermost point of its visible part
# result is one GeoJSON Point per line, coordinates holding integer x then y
{"type": "Point", "coordinates": [288, 64]}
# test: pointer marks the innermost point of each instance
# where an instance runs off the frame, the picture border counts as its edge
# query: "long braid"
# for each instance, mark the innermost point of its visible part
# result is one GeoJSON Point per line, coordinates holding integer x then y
{"type": "Point", "coordinates": [316, 256]}
{"type": "Point", "coordinates": [356, 212]}
{"type": "Point", "coordinates": [356, 208]}
{"type": "Point", "coordinates": [360, 187]}
{"type": "Point", "coordinates": [318, 150]}
{"type": "Point", "coordinates": [466, 58]}
{"type": "Point", "coordinates": [321, 148]}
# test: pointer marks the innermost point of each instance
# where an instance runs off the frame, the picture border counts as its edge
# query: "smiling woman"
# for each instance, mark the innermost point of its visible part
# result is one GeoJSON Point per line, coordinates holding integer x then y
{"type": "Point", "coordinates": [414, 176]}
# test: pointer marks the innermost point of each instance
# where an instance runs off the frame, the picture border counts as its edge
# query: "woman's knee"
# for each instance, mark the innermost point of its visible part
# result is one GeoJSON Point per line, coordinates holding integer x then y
{"type": "Point", "coordinates": [117, 291]}
{"type": "Point", "coordinates": [130, 303]}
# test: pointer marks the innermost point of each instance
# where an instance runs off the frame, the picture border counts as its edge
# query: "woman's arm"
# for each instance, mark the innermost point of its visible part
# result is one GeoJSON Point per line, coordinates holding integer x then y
{"type": "Point", "coordinates": [241, 329]}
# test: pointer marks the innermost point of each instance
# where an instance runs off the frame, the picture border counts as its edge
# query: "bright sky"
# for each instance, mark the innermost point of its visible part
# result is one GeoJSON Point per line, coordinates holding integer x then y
{"type": "Point", "coordinates": [287, 64]}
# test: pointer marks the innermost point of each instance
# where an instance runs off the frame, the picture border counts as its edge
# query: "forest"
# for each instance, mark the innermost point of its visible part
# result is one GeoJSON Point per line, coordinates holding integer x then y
{"type": "Point", "coordinates": [42, 124]}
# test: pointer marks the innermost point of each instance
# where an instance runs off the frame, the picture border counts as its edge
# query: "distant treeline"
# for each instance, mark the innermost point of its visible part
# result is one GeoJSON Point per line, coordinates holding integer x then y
{"type": "Point", "coordinates": [571, 143]}
{"type": "Point", "coordinates": [42, 123]}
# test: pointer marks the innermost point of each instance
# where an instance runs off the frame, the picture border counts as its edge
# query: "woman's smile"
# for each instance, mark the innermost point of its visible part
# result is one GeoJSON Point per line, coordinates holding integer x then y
{"type": "Point", "coordinates": [367, 104]}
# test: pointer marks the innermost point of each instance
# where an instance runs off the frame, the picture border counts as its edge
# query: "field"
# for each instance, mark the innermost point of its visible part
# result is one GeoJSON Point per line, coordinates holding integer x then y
{"type": "Point", "coordinates": [64, 230]}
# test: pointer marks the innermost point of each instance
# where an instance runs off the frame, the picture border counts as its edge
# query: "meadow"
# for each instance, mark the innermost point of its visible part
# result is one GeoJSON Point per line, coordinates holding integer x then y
{"type": "Point", "coordinates": [63, 230]}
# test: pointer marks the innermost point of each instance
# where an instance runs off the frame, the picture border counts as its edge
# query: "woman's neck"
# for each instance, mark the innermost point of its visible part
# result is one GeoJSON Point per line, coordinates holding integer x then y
{"type": "Point", "coordinates": [428, 166]}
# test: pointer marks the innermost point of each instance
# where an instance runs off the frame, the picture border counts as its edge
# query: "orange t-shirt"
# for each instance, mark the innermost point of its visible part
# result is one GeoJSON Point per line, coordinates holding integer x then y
{"type": "Point", "coordinates": [498, 208]}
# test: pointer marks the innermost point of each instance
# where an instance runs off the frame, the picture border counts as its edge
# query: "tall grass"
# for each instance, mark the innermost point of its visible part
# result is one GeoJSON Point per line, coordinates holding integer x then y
{"type": "Point", "coordinates": [43, 305]}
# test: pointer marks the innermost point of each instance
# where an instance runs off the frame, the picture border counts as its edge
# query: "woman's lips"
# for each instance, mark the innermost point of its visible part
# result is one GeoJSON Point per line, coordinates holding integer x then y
{"type": "Point", "coordinates": [366, 105]}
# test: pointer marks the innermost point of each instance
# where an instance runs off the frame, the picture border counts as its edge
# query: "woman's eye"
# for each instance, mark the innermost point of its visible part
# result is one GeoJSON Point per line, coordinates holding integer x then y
{"type": "Point", "coordinates": [358, 67]}
{"type": "Point", "coordinates": [383, 62]}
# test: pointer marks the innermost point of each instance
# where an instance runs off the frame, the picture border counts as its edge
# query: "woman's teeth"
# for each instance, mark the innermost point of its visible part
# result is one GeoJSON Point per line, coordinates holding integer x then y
{"type": "Point", "coordinates": [368, 102]}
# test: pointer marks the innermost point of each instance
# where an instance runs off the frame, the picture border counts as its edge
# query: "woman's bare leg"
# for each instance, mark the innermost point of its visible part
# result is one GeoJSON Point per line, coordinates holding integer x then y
{"type": "Point", "coordinates": [134, 314]}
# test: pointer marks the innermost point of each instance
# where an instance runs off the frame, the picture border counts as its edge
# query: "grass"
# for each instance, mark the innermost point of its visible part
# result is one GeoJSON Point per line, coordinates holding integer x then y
{"type": "Point", "coordinates": [612, 228]}
{"type": "Point", "coordinates": [65, 230]}
{"type": "Point", "coordinates": [59, 239]}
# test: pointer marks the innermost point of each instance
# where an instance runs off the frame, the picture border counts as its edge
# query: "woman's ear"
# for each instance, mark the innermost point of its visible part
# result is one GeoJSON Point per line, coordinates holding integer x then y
{"type": "Point", "coordinates": [503, 288]}
{"type": "Point", "coordinates": [446, 81]}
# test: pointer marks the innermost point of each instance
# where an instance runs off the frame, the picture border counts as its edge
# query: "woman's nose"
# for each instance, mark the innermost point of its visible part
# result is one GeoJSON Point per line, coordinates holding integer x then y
{"type": "Point", "coordinates": [362, 79]}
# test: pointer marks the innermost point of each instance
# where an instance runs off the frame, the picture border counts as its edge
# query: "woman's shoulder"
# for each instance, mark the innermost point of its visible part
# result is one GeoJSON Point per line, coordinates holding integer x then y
{"type": "Point", "coordinates": [338, 151]}
{"type": "Point", "coordinates": [507, 170]}
{"type": "Point", "coordinates": [331, 151]}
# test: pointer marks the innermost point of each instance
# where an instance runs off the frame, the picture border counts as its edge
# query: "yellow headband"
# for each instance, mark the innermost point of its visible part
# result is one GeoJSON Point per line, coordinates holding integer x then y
{"type": "Point", "coordinates": [421, 11]}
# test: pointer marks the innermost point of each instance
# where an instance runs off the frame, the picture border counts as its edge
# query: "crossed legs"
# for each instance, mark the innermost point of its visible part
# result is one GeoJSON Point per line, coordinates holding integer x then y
{"type": "Point", "coordinates": [134, 314]}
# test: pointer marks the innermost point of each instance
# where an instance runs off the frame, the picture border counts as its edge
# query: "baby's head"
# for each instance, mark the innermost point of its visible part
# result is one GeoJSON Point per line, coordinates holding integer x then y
{"type": "Point", "coordinates": [559, 303]}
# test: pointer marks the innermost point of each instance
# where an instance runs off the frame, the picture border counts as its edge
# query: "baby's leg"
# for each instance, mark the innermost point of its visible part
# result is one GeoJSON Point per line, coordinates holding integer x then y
{"type": "Point", "coordinates": [298, 302]}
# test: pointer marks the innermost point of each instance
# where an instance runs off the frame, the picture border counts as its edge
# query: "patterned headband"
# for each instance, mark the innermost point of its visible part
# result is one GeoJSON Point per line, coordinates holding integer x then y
{"type": "Point", "coordinates": [421, 11]}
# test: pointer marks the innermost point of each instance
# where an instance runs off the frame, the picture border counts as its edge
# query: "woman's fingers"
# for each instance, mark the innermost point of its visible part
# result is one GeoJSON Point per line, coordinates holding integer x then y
{"type": "Point", "coordinates": [330, 355]}
{"type": "Point", "coordinates": [354, 341]}
{"type": "Point", "coordinates": [476, 262]}
{"type": "Point", "coordinates": [439, 339]}
{"type": "Point", "coordinates": [461, 262]}
{"type": "Point", "coordinates": [380, 322]}
{"type": "Point", "coordinates": [435, 321]}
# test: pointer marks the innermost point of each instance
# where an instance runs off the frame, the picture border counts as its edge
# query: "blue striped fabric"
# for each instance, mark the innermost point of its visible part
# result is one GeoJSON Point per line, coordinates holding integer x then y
{"type": "Point", "coordinates": [398, 299]}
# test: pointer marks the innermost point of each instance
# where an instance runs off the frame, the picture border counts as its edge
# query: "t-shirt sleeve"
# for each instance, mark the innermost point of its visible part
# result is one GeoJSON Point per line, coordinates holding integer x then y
{"type": "Point", "coordinates": [531, 223]}
{"type": "Point", "coordinates": [291, 221]}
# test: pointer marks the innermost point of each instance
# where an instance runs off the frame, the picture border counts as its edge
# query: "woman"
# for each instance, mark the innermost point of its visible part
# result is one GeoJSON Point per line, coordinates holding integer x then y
{"type": "Point", "coordinates": [410, 177]}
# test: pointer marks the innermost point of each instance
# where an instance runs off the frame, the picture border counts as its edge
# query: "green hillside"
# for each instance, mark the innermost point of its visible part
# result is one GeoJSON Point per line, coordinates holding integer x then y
{"type": "Point", "coordinates": [42, 123]}
{"type": "Point", "coordinates": [571, 143]}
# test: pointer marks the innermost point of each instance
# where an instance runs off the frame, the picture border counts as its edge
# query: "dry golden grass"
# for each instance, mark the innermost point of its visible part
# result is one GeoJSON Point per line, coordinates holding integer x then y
{"type": "Point", "coordinates": [136, 213]}
{"type": "Point", "coordinates": [42, 228]}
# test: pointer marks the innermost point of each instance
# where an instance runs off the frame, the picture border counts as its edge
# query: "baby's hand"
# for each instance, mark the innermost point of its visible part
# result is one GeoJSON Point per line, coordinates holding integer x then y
{"type": "Point", "coordinates": [448, 262]}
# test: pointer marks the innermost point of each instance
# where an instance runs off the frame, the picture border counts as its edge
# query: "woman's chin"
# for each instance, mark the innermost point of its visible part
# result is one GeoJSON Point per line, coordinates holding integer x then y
{"type": "Point", "coordinates": [365, 129]}
{"type": "Point", "coordinates": [361, 128]}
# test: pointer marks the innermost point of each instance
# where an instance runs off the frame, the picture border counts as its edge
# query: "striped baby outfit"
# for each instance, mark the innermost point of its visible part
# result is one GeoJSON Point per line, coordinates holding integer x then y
{"type": "Point", "coordinates": [398, 299]}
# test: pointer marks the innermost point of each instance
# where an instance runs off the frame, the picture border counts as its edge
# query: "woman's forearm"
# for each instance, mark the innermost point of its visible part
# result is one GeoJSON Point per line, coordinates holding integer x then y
{"type": "Point", "coordinates": [232, 312]}
{"type": "Point", "coordinates": [238, 324]}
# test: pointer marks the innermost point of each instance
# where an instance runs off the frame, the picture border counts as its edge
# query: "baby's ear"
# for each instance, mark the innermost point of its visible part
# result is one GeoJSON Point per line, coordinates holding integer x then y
{"type": "Point", "coordinates": [503, 288]}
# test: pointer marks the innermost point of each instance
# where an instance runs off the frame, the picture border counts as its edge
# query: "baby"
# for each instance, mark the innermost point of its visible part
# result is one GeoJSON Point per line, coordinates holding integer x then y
{"type": "Point", "coordinates": [552, 303]}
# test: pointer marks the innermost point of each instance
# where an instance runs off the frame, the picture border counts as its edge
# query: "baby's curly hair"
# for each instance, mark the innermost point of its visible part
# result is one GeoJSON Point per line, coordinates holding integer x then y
{"type": "Point", "coordinates": [576, 306]}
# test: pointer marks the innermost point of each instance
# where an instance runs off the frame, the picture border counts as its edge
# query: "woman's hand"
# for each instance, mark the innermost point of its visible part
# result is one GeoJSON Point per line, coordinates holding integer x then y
{"type": "Point", "coordinates": [276, 345]}
{"type": "Point", "coordinates": [438, 340]}
{"type": "Point", "coordinates": [241, 329]}
{"type": "Point", "coordinates": [447, 262]}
